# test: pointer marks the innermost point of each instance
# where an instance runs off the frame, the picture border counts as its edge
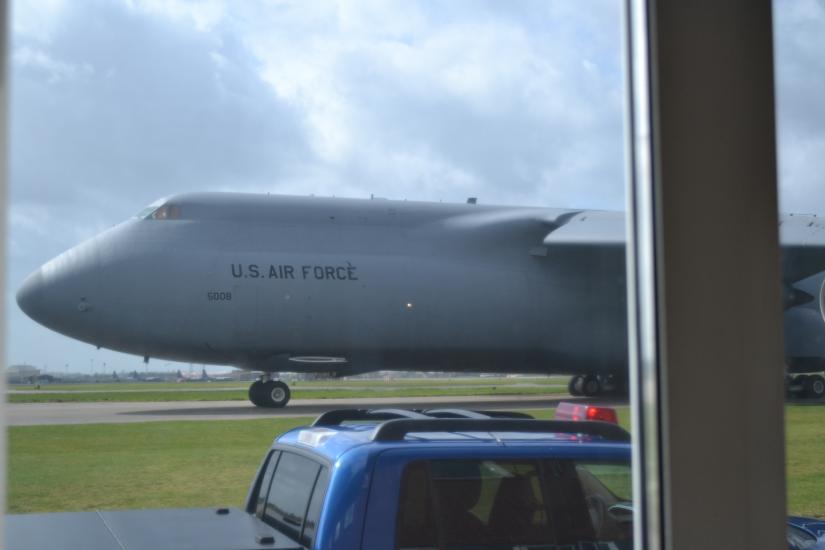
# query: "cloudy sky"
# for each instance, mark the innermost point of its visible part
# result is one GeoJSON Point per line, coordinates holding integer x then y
{"type": "Point", "coordinates": [115, 103]}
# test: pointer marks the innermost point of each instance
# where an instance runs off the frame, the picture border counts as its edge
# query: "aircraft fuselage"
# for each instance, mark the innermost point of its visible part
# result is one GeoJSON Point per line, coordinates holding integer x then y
{"type": "Point", "coordinates": [259, 281]}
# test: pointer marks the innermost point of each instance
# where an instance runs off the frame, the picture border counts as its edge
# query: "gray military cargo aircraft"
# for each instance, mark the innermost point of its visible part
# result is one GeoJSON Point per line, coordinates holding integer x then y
{"type": "Point", "coordinates": [345, 286]}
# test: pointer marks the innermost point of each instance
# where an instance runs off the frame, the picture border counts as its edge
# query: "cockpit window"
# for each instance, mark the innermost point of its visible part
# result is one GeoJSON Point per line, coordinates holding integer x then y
{"type": "Point", "coordinates": [166, 212]}
{"type": "Point", "coordinates": [163, 212]}
{"type": "Point", "coordinates": [160, 210]}
{"type": "Point", "coordinates": [143, 214]}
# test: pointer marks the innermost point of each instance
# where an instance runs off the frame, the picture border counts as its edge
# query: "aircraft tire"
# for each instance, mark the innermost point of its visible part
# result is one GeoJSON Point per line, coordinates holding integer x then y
{"type": "Point", "coordinates": [592, 386]}
{"type": "Point", "coordinates": [815, 386]}
{"type": "Point", "coordinates": [276, 394]}
{"type": "Point", "coordinates": [575, 384]}
{"type": "Point", "coordinates": [256, 394]}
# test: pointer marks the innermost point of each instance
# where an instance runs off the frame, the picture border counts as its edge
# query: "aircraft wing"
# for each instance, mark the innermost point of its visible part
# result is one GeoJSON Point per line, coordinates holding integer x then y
{"type": "Point", "coordinates": [541, 230]}
{"type": "Point", "coordinates": [802, 239]}
{"type": "Point", "coordinates": [590, 228]}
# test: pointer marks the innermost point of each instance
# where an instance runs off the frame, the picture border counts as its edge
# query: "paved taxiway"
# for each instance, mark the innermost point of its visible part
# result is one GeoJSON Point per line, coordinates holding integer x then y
{"type": "Point", "coordinates": [203, 388]}
{"type": "Point", "coordinates": [31, 414]}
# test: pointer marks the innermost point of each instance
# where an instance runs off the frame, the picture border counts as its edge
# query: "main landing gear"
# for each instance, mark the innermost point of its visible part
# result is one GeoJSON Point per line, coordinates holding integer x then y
{"type": "Point", "coordinates": [269, 393]}
{"type": "Point", "coordinates": [594, 385]}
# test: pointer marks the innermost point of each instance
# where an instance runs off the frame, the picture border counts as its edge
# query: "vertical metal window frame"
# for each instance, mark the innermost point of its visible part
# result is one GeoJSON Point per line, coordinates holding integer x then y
{"type": "Point", "coordinates": [703, 271]}
{"type": "Point", "coordinates": [643, 350]}
{"type": "Point", "coordinates": [4, 96]}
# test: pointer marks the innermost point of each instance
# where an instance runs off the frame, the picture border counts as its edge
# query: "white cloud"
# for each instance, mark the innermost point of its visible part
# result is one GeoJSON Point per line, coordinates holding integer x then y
{"type": "Point", "coordinates": [204, 15]}
{"type": "Point", "coordinates": [800, 79]}
{"type": "Point", "coordinates": [489, 96]}
{"type": "Point", "coordinates": [56, 70]}
{"type": "Point", "coordinates": [36, 19]}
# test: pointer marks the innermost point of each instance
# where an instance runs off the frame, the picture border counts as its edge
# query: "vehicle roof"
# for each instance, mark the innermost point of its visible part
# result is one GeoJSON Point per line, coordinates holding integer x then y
{"type": "Point", "coordinates": [332, 441]}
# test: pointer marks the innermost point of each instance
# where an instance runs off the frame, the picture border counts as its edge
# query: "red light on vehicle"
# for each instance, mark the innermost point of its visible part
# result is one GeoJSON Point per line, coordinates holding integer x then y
{"type": "Point", "coordinates": [604, 414]}
{"type": "Point", "coordinates": [576, 412]}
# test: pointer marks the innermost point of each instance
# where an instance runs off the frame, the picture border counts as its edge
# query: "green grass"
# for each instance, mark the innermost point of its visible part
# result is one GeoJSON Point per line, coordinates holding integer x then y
{"type": "Point", "coordinates": [151, 464]}
{"type": "Point", "coordinates": [805, 459]}
{"type": "Point", "coordinates": [132, 397]}
{"type": "Point", "coordinates": [297, 393]}
{"type": "Point", "coordinates": [128, 386]}
{"type": "Point", "coordinates": [142, 396]}
{"type": "Point", "coordinates": [189, 464]}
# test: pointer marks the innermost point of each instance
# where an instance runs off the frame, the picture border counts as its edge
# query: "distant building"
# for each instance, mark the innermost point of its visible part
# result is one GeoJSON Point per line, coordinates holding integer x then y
{"type": "Point", "coordinates": [22, 374]}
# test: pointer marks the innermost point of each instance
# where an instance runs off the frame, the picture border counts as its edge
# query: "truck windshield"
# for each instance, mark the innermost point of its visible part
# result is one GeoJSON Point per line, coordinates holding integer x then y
{"type": "Point", "coordinates": [513, 504]}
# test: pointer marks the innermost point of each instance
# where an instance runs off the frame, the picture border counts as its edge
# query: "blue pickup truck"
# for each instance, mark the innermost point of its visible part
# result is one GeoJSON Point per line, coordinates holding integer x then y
{"type": "Point", "coordinates": [399, 479]}
{"type": "Point", "coordinates": [447, 479]}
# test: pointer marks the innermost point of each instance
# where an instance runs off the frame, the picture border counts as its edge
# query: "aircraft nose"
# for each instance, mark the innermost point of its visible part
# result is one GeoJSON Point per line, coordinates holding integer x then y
{"type": "Point", "coordinates": [60, 295]}
{"type": "Point", "coordinates": [30, 296]}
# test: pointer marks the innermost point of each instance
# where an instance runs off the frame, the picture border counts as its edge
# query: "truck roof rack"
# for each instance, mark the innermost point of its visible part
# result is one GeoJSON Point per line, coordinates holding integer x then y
{"type": "Point", "coordinates": [464, 413]}
{"type": "Point", "coordinates": [396, 424]}
{"type": "Point", "coordinates": [339, 416]}
{"type": "Point", "coordinates": [398, 429]}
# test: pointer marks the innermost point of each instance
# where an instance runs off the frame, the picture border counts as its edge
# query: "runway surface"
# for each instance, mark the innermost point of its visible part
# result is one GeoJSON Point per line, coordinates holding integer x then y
{"type": "Point", "coordinates": [32, 414]}
{"type": "Point", "coordinates": [388, 387]}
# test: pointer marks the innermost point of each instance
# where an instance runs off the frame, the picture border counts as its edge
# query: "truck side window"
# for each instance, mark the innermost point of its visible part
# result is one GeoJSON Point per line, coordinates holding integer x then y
{"type": "Point", "coordinates": [316, 502]}
{"type": "Point", "coordinates": [289, 494]}
{"type": "Point", "coordinates": [263, 487]}
{"type": "Point", "coordinates": [415, 526]}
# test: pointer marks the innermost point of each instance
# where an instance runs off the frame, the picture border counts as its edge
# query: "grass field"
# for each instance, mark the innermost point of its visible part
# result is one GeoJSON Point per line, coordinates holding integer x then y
{"type": "Point", "coordinates": [186, 464]}
{"type": "Point", "coordinates": [321, 389]}
{"type": "Point", "coordinates": [145, 465]}
{"type": "Point", "coordinates": [805, 459]}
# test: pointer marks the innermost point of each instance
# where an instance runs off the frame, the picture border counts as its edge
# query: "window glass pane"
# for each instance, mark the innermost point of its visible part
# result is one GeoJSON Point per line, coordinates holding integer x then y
{"type": "Point", "coordinates": [501, 503]}
{"type": "Point", "coordinates": [613, 479]}
{"type": "Point", "coordinates": [405, 192]}
{"type": "Point", "coordinates": [145, 212]}
{"type": "Point", "coordinates": [415, 526]}
{"type": "Point", "coordinates": [316, 504]}
{"type": "Point", "coordinates": [799, 52]}
{"type": "Point", "coordinates": [266, 481]}
{"type": "Point", "coordinates": [513, 506]}
{"type": "Point", "coordinates": [289, 493]}
{"type": "Point", "coordinates": [166, 212]}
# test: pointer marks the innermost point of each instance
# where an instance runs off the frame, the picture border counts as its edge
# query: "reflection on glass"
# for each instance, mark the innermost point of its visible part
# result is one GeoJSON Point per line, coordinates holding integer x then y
{"type": "Point", "coordinates": [410, 189]}
{"type": "Point", "coordinates": [505, 503]}
{"type": "Point", "coordinates": [799, 27]}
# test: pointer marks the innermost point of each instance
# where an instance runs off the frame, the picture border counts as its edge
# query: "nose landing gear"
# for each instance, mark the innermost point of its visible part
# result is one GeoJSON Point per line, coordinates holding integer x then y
{"type": "Point", "coordinates": [269, 393]}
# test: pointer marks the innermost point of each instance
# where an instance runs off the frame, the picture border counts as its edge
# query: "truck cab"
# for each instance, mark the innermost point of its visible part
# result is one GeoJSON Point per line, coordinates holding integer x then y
{"type": "Point", "coordinates": [446, 479]}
